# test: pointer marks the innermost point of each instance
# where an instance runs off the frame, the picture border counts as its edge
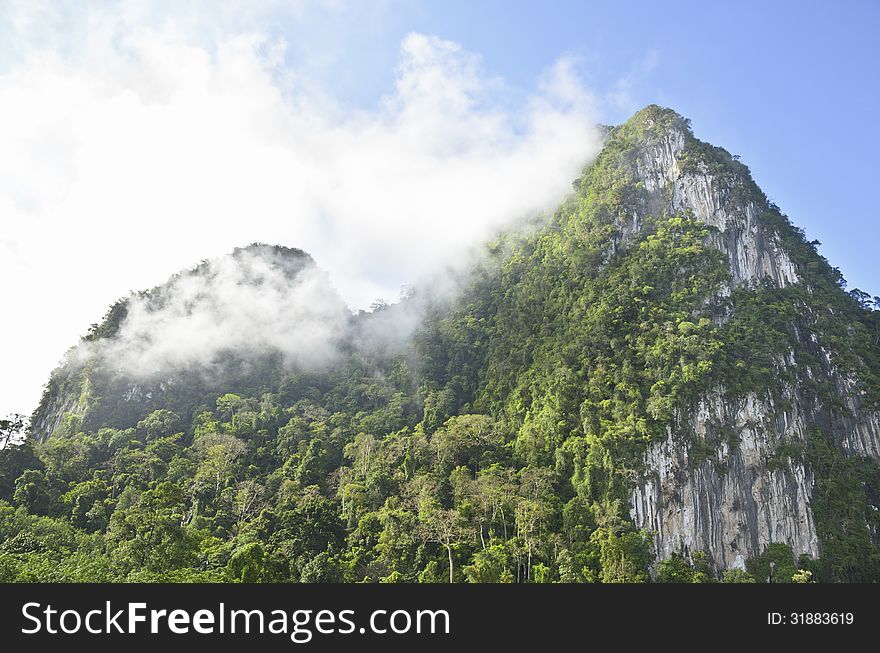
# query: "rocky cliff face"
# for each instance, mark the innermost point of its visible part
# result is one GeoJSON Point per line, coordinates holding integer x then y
{"type": "Point", "coordinates": [734, 502]}
{"type": "Point", "coordinates": [753, 250]}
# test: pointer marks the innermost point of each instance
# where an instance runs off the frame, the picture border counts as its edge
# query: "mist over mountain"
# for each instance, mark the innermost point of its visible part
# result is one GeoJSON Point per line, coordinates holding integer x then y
{"type": "Point", "coordinates": [256, 300]}
{"type": "Point", "coordinates": [661, 380]}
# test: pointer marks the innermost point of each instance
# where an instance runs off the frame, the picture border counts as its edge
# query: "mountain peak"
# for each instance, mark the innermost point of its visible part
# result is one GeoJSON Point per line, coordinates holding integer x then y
{"type": "Point", "coordinates": [264, 249]}
{"type": "Point", "coordinates": [655, 160]}
{"type": "Point", "coordinates": [654, 121]}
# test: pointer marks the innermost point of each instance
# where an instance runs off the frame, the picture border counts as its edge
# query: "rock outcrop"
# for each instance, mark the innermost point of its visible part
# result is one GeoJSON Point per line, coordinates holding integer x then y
{"type": "Point", "coordinates": [733, 503]}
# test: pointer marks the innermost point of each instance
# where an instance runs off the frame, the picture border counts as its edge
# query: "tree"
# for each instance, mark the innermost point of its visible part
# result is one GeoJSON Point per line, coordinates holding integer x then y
{"type": "Point", "coordinates": [624, 556]}
{"type": "Point", "coordinates": [251, 564]}
{"type": "Point", "coordinates": [89, 505]}
{"type": "Point", "coordinates": [218, 453]}
{"type": "Point", "coordinates": [578, 521]}
{"type": "Point", "coordinates": [532, 522]}
{"type": "Point", "coordinates": [802, 576]}
{"type": "Point", "coordinates": [863, 299]}
{"type": "Point", "coordinates": [149, 534]}
{"type": "Point", "coordinates": [249, 500]}
{"type": "Point", "coordinates": [322, 568]}
{"type": "Point", "coordinates": [229, 405]}
{"type": "Point", "coordinates": [313, 464]}
{"type": "Point", "coordinates": [33, 491]}
{"type": "Point", "coordinates": [443, 527]}
{"type": "Point", "coordinates": [573, 568]}
{"type": "Point", "coordinates": [361, 451]}
{"type": "Point", "coordinates": [308, 524]}
{"type": "Point", "coordinates": [14, 460]}
{"type": "Point", "coordinates": [675, 569]}
{"type": "Point", "coordinates": [496, 489]}
{"type": "Point", "coordinates": [463, 439]}
{"type": "Point", "coordinates": [703, 569]}
{"type": "Point", "coordinates": [10, 427]}
{"type": "Point", "coordinates": [776, 564]}
{"type": "Point", "coordinates": [439, 406]}
{"type": "Point", "coordinates": [490, 565]}
{"type": "Point", "coordinates": [737, 576]}
{"type": "Point", "coordinates": [159, 423]}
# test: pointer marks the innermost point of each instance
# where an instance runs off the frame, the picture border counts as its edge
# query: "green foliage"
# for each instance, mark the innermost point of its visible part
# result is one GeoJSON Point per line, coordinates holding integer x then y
{"type": "Point", "coordinates": [491, 565]}
{"type": "Point", "coordinates": [845, 517]}
{"type": "Point", "coordinates": [14, 461]}
{"type": "Point", "coordinates": [776, 564]}
{"type": "Point", "coordinates": [149, 535]}
{"type": "Point", "coordinates": [251, 564]}
{"type": "Point", "coordinates": [34, 492]}
{"type": "Point", "coordinates": [737, 576]}
{"type": "Point", "coordinates": [159, 423]}
{"type": "Point", "coordinates": [624, 557]}
{"type": "Point", "coordinates": [500, 443]}
{"type": "Point", "coordinates": [802, 576]}
{"type": "Point", "coordinates": [675, 570]}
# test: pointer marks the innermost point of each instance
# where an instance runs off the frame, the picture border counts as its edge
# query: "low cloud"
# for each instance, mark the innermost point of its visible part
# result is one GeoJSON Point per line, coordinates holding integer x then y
{"type": "Point", "coordinates": [259, 300]}
{"type": "Point", "coordinates": [135, 142]}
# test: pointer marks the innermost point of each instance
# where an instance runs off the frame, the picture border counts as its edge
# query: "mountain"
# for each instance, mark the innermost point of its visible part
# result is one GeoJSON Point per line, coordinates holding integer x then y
{"type": "Point", "coordinates": [234, 323]}
{"type": "Point", "coordinates": [663, 380]}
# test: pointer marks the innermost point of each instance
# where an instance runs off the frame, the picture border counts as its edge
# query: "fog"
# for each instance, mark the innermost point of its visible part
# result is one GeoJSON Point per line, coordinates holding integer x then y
{"type": "Point", "coordinates": [137, 141]}
{"type": "Point", "coordinates": [254, 301]}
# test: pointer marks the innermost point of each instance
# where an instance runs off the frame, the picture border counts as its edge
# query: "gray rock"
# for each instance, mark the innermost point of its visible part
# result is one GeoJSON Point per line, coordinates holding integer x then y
{"type": "Point", "coordinates": [732, 505]}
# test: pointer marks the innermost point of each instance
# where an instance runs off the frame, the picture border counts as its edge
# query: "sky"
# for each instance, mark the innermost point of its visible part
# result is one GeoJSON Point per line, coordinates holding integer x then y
{"type": "Point", "coordinates": [385, 138]}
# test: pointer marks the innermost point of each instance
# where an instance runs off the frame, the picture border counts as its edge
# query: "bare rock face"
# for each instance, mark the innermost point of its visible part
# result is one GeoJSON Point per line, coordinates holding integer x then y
{"type": "Point", "coordinates": [744, 496]}
{"type": "Point", "coordinates": [859, 435]}
{"type": "Point", "coordinates": [754, 252]}
{"type": "Point", "coordinates": [733, 502]}
{"type": "Point", "coordinates": [730, 504]}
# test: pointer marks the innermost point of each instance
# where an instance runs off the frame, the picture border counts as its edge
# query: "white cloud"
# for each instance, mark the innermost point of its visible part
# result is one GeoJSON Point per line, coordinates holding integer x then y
{"type": "Point", "coordinates": [259, 300]}
{"type": "Point", "coordinates": [135, 141]}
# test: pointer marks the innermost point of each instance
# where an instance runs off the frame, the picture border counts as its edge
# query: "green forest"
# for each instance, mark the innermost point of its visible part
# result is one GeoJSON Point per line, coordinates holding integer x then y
{"type": "Point", "coordinates": [499, 443]}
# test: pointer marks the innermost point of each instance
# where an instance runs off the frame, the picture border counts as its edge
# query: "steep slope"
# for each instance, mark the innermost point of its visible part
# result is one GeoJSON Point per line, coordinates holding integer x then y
{"type": "Point", "coordinates": [675, 341]}
{"type": "Point", "coordinates": [663, 378]}
{"type": "Point", "coordinates": [759, 488]}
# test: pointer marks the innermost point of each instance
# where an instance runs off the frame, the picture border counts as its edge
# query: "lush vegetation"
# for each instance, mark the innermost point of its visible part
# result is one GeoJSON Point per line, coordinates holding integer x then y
{"type": "Point", "coordinates": [499, 444]}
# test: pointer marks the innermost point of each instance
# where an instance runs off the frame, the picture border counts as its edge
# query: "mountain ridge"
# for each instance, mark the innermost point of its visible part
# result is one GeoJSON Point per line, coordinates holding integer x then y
{"type": "Point", "coordinates": [666, 378]}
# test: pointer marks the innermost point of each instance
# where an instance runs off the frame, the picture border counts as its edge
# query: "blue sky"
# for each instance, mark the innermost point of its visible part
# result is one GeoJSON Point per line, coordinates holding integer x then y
{"type": "Point", "coordinates": [139, 137]}
{"type": "Point", "coordinates": [792, 87]}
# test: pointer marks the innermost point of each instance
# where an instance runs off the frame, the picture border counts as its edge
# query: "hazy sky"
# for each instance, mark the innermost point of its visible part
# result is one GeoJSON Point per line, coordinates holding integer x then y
{"type": "Point", "coordinates": [138, 138]}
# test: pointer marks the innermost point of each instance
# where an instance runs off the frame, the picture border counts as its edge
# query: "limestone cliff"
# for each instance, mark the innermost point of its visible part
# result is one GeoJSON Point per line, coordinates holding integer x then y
{"type": "Point", "coordinates": [733, 503]}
